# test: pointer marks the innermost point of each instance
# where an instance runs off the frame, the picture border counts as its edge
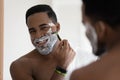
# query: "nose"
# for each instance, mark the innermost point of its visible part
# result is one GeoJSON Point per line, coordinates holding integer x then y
{"type": "Point", "coordinates": [38, 34]}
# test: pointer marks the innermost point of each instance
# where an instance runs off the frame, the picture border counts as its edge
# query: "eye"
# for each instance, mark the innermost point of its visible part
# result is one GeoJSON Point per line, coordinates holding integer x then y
{"type": "Point", "coordinates": [31, 30]}
{"type": "Point", "coordinates": [44, 28]}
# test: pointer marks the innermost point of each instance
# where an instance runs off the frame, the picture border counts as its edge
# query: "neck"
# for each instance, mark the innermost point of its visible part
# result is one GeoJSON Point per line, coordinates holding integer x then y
{"type": "Point", "coordinates": [113, 43]}
{"type": "Point", "coordinates": [113, 52]}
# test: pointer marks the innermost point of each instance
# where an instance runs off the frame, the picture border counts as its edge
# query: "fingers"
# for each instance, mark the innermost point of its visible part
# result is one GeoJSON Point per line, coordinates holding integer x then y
{"type": "Point", "coordinates": [64, 53]}
{"type": "Point", "coordinates": [65, 46]}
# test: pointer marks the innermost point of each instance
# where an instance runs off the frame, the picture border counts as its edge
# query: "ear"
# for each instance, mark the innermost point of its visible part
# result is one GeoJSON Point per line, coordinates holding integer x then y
{"type": "Point", "coordinates": [57, 27]}
{"type": "Point", "coordinates": [101, 29]}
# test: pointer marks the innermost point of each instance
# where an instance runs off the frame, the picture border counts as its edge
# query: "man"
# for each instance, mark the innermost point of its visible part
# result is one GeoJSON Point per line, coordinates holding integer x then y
{"type": "Point", "coordinates": [50, 59]}
{"type": "Point", "coordinates": [102, 21]}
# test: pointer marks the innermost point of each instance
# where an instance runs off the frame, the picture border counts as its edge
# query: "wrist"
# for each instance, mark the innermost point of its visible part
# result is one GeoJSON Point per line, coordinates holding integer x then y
{"type": "Point", "coordinates": [61, 71]}
{"type": "Point", "coordinates": [64, 66]}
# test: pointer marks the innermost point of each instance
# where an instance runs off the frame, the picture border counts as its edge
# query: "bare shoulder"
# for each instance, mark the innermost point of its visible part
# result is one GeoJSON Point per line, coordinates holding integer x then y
{"type": "Point", "coordinates": [24, 61]}
{"type": "Point", "coordinates": [20, 65]}
{"type": "Point", "coordinates": [20, 62]}
{"type": "Point", "coordinates": [80, 74]}
{"type": "Point", "coordinates": [74, 75]}
{"type": "Point", "coordinates": [99, 70]}
{"type": "Point", "coordinates": [21, 69]}
{"type": "Point", "coordinates": [113, 73]}
{"type": "Point", "coordinates": [84, 73]}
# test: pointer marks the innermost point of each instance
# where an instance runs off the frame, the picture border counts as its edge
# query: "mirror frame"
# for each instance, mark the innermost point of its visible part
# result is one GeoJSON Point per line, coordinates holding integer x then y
{"type": "Point", "coordinates": [1, 37]}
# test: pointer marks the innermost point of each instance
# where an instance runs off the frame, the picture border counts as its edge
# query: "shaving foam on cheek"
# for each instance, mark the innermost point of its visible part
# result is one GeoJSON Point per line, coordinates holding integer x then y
{"type": "Point", "coordinates": [51, 24]}
{"type": "Point", "coordinates": [50, 30]}
{"type": "Point", "coordinates": [44, 37]}
{"type": "Point", "coordinates": [48, 46]}
{"type": "Point", "coordinates": [93, 36]}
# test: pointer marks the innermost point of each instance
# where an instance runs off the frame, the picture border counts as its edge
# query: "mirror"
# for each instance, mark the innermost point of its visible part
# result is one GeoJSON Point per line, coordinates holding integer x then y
{"type": "Point", "coordinates": [16, 37]}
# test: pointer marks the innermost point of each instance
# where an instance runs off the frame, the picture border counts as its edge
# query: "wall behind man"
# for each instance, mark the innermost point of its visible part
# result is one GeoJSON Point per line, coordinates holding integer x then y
{"type": "Point", "coordinates": [16, 37]}
{"type": "Point", "coordinates": [69, 16]}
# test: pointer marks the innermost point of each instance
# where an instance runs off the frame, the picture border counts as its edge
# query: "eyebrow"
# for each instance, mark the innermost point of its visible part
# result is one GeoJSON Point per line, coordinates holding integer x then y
{"type": "Point", "coordinates": [39, 26]}
{"type": "Point", "coordinates": [42, 25]}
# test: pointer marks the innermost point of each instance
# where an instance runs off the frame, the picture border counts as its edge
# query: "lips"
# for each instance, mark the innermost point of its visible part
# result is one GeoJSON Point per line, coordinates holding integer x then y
{"type": "Point", "coordinates": [41, 43]}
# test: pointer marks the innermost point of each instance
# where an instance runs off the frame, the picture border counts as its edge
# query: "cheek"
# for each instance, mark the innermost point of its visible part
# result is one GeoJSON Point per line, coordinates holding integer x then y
{"type": "Point", "coordinates": [32, 39]}
{"type": "Point", "coordinates": [91, 35]}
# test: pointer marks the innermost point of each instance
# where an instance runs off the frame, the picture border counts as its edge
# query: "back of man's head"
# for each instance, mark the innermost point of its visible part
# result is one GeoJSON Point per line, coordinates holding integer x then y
{"type": "Point", "coordinates": [104, 10]}
{"type": "Point", "coordinates": [42, 8]}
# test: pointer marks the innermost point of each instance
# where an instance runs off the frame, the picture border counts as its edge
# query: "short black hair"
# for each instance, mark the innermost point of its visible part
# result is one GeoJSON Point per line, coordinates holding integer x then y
{"type": "Point", "coordinates": [42, 8]}
{"type": "Point", "coordinates": [104, 10]}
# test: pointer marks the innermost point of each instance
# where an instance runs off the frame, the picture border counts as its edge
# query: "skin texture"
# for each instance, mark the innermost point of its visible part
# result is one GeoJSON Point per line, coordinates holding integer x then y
{"type": "Point", "coordinates": [107, 67]}
{"type": "Point", "coordinates": [33, 65]}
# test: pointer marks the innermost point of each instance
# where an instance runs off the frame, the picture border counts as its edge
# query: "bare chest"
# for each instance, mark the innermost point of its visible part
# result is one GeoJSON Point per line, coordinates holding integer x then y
{"type": "Point", "coordinates": [43, 70]}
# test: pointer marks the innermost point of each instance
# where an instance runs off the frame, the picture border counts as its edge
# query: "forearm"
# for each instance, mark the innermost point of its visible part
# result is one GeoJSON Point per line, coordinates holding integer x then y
{"type": "Point", "coordinates": [57, 76]}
